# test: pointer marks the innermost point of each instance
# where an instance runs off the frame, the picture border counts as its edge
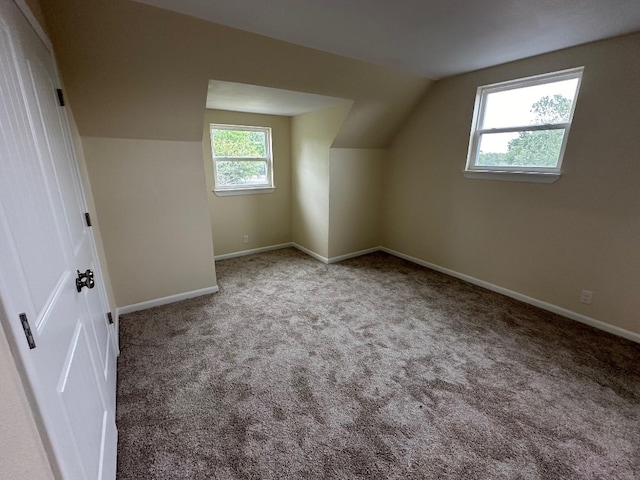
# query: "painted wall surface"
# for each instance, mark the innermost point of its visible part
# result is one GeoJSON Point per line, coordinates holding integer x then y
{"type": "Point", "coordinates": [354, 199]}
{"type": "Point", "coordinates": [135, 71]}
{"type": "Point", "coordinates": [266, 218]}
{"type": "Point", "coordinates": [22, 455]}
{"type": "Point", "coordinates": [152, 201]}
{"type": "Point", "coordinates": [91, 207]}
{"type": "Point", "coordinates": [311, 137]}
{"type": "Point", "coordinates": [545, 241]}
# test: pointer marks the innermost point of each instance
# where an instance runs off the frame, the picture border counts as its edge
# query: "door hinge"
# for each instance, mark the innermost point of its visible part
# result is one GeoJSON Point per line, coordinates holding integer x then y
{"type": "Point", "coordinates": [60, 97]}
{"type": "Point", "coordinates": [110, 318]}
{"type": "Point", "coordinates": [87, 218]}
{"type": "Point", "coordinates": [27, 331]}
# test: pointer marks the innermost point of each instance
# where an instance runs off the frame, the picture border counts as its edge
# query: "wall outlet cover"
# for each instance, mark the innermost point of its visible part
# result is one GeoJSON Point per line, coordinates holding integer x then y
{"type": "Point", "coordinates": [586, 296]}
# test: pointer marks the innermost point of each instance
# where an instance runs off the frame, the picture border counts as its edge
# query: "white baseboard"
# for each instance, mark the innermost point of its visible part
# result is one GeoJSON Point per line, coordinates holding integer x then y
{"type": "Point", "coordinates": [165, 300]}
{"type": "Point", "coordinates": [347, 256]}
{"type": "Point", "coordinates": [621, 332]}
{"type": "Point", "coordinates": [337, 259]}
{"type": "Point", "coordinates": [311, 253]}
{"type": "Point", "coordinates": [242, 253]}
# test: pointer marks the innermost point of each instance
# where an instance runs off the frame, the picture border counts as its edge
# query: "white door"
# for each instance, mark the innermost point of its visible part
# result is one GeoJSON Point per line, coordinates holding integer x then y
{"type": "Point", "coordinates": [44, 241]}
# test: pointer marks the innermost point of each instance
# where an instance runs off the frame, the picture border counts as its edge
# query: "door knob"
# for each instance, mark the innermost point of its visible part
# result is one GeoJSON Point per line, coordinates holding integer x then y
{"type": "Point", "coordinates": [85, 280]}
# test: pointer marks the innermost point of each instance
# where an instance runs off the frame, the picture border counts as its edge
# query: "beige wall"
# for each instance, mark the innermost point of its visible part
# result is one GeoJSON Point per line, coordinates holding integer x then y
{"type": "Point", "coordinates": [311, 137]}
{"type": "Point", "coordinates": [152, 201]}
{"type": "Point", "coordinates": [91, 207]}
{"type": "Point", "coordinates": [544, 241]}
{"type": "Point", "coordinates": [146, 77]}
{"type": "Point", "coordinates": [266, 218]}
{"type": "Point", "coordinates": [135, 71]}
{"type": "Point", "coordinates": [354, 199]}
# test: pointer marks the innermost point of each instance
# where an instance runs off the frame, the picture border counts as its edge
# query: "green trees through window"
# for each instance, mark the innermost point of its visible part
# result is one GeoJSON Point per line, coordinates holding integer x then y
{"type": "Point", "coordinates": [536, 147]}
{"type": "Point", "coordinates": [238, 143]}
{"type": "Point", "coordinates": [522, 126]}
{"type": "Point", "coordinates": [242, 156]}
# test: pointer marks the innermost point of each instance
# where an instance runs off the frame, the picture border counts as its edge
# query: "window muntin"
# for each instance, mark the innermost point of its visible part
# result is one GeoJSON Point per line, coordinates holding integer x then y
{"type": "Point", "coordinates": [522, 126]}
{"type": "Point", "coordinates": [242, 157]}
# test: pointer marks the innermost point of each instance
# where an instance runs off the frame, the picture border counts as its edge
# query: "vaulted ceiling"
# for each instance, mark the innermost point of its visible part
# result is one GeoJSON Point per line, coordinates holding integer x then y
{"type": "Point", "coordinates": [136, 71]}
{"type": "Point", "coordinates": [141, 69]}
{"type": "Point", "coordinates": [434, 38]}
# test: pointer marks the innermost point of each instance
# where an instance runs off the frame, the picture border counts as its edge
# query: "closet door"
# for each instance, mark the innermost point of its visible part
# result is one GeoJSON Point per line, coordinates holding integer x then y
{"type": "Point", "coordinates": [50, 288]}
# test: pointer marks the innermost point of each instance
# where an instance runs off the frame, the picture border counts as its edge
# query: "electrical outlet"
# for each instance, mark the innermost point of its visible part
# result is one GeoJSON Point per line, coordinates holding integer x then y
{"type": "Point", "coordinates": [245, 239]}
{"type": "Point", "coordinates": [586, 296]}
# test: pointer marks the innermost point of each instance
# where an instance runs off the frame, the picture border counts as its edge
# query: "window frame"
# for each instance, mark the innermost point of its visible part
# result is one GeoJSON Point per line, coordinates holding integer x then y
{"type": "Point", "coordinates": [518, 172]}
{"type": "Point", "coordinates": [240, 189]}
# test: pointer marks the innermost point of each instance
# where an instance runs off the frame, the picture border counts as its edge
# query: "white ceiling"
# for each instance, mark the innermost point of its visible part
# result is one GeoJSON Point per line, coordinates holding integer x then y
{"type": "Point", "coordinates": [240, 97]}
{"type": "Point", "coordinates": [434, 38]}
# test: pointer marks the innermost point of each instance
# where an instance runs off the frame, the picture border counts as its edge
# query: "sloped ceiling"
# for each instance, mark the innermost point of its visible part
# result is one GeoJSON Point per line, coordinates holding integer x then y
{"type": "Point", "coordinates": [435, 38]}
{"type": "Point", "coordinates": [137, 71]}
{"type": "Point", "coordinates": [239, 97]}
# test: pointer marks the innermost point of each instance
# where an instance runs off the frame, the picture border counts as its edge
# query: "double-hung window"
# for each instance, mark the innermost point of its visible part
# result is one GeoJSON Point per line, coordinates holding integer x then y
{"type": "Point", "coordinates": [242, 160]}
{"type": "Point", "coordinates": [520, 128]}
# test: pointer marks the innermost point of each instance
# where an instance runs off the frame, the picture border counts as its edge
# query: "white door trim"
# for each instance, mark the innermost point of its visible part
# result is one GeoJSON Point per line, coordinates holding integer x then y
{"type": "Point", "coordinates": [33, 21]}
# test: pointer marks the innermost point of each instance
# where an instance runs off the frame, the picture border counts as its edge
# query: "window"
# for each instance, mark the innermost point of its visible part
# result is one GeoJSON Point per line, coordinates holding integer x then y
{"type": "Point", "coordinates": [242, 161]}
{"type": "Point", "coordinates": [520, 128]}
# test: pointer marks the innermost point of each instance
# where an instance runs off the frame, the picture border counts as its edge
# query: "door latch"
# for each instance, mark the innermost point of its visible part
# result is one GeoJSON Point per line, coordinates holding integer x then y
{"type": "Point", "coordinates": [85, 280]}
{"type": "Point", "coordinates": [27, 331]}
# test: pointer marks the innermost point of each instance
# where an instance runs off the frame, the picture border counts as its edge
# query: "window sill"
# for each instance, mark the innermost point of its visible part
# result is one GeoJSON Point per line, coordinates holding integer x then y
{"type": "Point", "coordinates": [530, 177]}
{"type": "Point", "coordinates": [244, 191]}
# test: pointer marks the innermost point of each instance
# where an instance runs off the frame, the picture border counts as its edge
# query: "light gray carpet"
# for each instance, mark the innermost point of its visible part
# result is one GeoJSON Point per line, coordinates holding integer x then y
{"type": "Point", "coordinates": [372, 368]}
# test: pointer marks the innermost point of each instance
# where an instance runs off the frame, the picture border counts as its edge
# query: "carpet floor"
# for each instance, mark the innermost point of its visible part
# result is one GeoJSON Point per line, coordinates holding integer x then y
{"type": "Point", "coordinates": [373, 368]}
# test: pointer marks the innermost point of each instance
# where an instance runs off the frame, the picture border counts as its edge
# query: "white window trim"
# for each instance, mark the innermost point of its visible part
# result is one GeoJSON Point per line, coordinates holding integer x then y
{"type": "Point", "coordinates": [518, 173]}
{"type": "Point", "coordinates": [229, 190]}
{"type": "Point", "coordinates": [512, 176]}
